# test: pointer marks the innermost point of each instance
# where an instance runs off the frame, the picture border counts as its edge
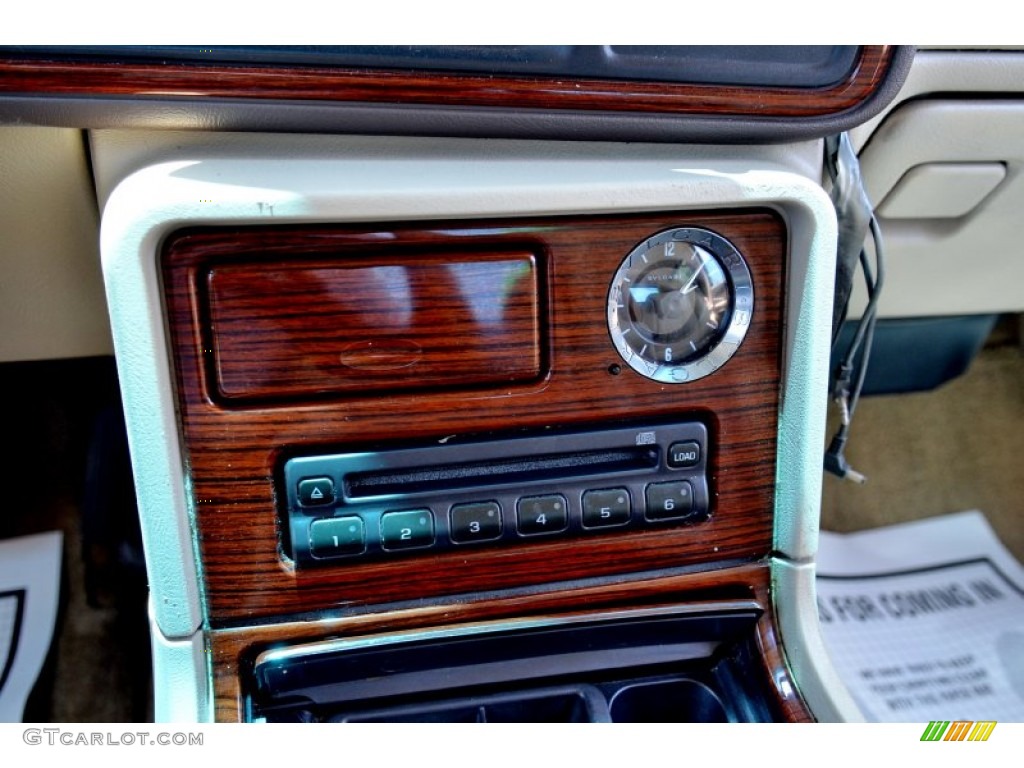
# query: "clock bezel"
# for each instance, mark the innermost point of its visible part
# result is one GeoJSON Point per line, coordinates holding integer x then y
{"type": "Point", "coordinates": [741, 290]}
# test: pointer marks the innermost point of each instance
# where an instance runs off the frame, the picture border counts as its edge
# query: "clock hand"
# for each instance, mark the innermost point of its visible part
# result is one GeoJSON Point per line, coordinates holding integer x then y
{"type": "Point", "coordinates": [689, 283]}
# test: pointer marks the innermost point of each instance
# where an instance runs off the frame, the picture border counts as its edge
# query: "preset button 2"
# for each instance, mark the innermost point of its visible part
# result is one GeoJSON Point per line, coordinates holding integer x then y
{"type": "Point", "coordinates": [408, 529]}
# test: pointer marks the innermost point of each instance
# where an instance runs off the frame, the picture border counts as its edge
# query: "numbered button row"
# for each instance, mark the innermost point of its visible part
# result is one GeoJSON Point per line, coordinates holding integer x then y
{"type": "Point", "coordinates": [482, 521]}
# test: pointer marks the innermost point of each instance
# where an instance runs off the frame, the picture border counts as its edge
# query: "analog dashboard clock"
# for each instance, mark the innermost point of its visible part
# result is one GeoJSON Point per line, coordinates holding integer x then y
{"type": "Point", "coordinates": [680, 305]}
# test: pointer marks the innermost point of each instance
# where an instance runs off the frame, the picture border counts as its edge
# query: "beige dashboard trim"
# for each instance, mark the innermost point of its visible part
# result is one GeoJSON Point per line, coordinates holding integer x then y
{"type": "Point", "coordinates": [51, 294]}
{"type": "Point", "coordinates": [224, 179]}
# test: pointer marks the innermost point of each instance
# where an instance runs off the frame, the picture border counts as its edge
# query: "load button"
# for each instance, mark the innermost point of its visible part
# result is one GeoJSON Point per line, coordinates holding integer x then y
{"type": "Point", "coordinates": [684, 455]}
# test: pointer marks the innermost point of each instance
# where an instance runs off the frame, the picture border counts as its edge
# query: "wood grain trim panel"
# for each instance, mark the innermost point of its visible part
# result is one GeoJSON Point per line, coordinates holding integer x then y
{"type": "Point", "coordinates": [345, 323]}
{"type": "Point", "coordinates": [235, 453]}
{"type": "Point", "coordinates": [194, 81]}
{"type": "Point", "coordinates": [233, 651]}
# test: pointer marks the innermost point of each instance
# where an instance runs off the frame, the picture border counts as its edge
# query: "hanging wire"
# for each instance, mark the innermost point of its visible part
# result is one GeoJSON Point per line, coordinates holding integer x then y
{"type": "Point", "coordinates": [851, 371]}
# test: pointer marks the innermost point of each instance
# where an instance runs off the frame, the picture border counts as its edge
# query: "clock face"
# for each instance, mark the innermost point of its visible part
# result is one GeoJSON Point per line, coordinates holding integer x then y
{"type": "Point", "coordinates": [680, 304]}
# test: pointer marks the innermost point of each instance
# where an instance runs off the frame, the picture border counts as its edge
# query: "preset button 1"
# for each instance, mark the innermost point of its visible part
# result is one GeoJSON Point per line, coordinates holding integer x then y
{"type": "Point", "coordinates": [337, 536]}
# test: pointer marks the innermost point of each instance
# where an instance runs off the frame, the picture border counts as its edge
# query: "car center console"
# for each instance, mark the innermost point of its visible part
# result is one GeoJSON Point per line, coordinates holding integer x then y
{"type": "Point", "coordinates": [446, 430]}
{"type": "Point", "coordinates": [403, 454]}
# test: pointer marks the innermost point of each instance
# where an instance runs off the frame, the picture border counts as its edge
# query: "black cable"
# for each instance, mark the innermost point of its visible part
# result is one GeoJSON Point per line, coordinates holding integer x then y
{"type": "Point", "coordinates": [876, 289]}
{"type": "Point", "coordinates": [870, 282]}
{"type": "Point", "coordinates": [846, 390]}
{"type": "Point", "coordinates": [853, 212]}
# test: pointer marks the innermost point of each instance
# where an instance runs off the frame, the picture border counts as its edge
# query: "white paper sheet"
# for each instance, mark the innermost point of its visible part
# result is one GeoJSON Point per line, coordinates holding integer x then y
{"type": "Point", "coordinates": [29, 593]}
{"type": "Point", "coordinates": [925, 620]}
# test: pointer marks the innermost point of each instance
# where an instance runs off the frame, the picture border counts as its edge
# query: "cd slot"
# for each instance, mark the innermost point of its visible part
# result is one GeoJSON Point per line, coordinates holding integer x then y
{"type": "Point", "coordinates": [526, 469]}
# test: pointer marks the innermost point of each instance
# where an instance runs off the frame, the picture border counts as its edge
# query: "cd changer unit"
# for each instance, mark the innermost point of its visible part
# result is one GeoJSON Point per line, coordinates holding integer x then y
{"type": "Point", "coordinates": [389, 503]}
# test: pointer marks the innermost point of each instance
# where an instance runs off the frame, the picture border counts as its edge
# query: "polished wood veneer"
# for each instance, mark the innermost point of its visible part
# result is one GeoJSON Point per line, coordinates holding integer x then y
{"type": "Point", "coordinates": [218, 81]}
{"type": "Point", "coordinates": [234, 452]}
{"type": "Point", "coordinates": [233, 651]}
{"type": "Point", "coordinates": [307, 327]}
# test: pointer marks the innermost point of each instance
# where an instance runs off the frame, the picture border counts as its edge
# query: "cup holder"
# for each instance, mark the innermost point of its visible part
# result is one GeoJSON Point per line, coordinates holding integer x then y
{"type": "Point", "coordinates": [650, 665]}
{"type": "Point", "coordinates": [667, 701]}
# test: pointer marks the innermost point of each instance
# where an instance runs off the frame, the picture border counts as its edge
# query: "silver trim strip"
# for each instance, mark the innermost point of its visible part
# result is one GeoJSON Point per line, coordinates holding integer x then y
{"type": "Point", "coordinates": [183, 687]}
{"type": "Point", "coordinates": [793, 590]}
{"type": "Point", "coordinates": [474, 629]}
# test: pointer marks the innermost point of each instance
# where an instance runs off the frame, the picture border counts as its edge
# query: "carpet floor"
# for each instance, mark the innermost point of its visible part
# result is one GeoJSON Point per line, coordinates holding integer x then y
{"type": "Point", "coordinates": [958, 447]}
